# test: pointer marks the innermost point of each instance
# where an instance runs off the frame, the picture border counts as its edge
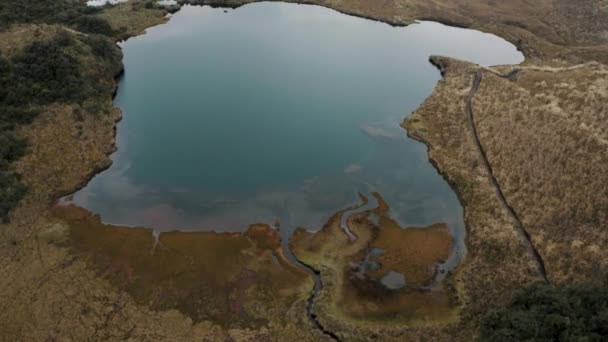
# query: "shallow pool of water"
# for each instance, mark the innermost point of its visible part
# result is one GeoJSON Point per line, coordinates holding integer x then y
{"type": "Point", "coordinates": [277, 112]}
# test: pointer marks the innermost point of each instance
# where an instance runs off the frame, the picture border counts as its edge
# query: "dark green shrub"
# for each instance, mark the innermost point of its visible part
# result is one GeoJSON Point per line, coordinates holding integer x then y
{"type": "Point", "coordinates": [42, 11]}
{"type": "Point", "coordinates": [12, 191]}
{"type": "Point", "coordinates": [105, 49]}
{"type": "Point", "coordinates": [546, 313]}
{"type": "Point", "coordinates": [11, 148]}
{"type": "Point", "coordinates": [72, 13]}
{"type": "Point", "coordinates": [48, 72]}
{"type": "Point", "coordinates": [43, 73]}
{"type": "Point", "coordinates": [93, 24]}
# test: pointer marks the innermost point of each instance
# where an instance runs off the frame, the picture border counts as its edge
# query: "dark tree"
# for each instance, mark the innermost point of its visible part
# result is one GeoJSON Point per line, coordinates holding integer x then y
{"type": "Point", "coordinates": [546, 313]}
{"type": "Point", "coordinates": [48, 71]}
{"type": "Point", "coordinates": [93, 24]}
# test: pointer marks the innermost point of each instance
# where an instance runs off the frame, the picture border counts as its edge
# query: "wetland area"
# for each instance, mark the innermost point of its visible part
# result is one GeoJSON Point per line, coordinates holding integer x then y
{"type": "Point", "coordinates": [242, 170]}
{"type": "Point", "coordinates": [280, 118]}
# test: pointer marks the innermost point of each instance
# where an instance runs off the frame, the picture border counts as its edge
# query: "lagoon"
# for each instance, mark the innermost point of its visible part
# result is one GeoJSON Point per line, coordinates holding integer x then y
{"type": "Point", "coordinates": [280, 114]}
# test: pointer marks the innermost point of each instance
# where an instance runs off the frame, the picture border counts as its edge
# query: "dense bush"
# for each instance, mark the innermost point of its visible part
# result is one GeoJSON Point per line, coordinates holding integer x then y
{"type": "Point", "coordinates": [11, 148]}
{"type": "Point", "coordinates": [51, 71]}
{"type": "Point", "coordinates": [11, 117]}
{"type": "Point", "coordinates": [42, 11]}
{"type": "Point", "coordinates": [105, 49]}
{"type": "Point", "coordinates": [93, 24]}
{"type": "Point", "coordinates": [42, 73]}
{"type": "Point", "coordinates": [545, 313]}
{"type": "Point", "coordinates": [11, 192]}
{"type": "Point", "coordinates": [11, 189]}
{"type": "Point", "coordinates": [45, 72]}
{"type": "Point", "coordinates": [72, 13]}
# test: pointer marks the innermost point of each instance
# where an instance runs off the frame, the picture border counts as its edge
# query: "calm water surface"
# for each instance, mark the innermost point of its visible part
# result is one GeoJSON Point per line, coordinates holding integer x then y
{"type": "Point", "coordinates": [277, 111]}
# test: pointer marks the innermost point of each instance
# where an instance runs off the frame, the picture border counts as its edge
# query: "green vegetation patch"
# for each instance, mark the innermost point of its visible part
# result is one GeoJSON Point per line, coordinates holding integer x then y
{"type": "Point", "coordinates": [45, 72]}
{"type": "Point", "coordinates": [65, 54]}
{"type": "Point", "coordinates": [65, 67]}
{"type": "Point", "coordinates": [546, 313]}
{"type": "Point", "coordinates": [72, 13]}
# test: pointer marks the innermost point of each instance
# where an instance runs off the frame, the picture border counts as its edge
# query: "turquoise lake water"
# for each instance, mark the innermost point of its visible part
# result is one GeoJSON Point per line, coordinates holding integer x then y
{"type": "Point", "coordinates": [277, 111]}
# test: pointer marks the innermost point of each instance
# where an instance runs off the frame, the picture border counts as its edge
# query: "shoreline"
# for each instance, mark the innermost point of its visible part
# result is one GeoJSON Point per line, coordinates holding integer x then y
{"type": "Point", "coordinates": [221, 4]}
{"type": "Point", "coordinates": [316, 274]}
{"type": "Point", "coordinates": [53, 293]}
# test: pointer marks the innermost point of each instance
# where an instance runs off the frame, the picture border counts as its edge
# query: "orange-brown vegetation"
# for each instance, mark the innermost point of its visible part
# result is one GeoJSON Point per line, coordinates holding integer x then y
{"type": "Point", "coordinates": [226, 278]}
{"type": "Point", "coordinates": [354, 295]}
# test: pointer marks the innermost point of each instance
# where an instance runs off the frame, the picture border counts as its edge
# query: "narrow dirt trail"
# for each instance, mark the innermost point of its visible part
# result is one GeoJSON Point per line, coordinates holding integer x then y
{"type": "Point", "coordinates": [519, 227]}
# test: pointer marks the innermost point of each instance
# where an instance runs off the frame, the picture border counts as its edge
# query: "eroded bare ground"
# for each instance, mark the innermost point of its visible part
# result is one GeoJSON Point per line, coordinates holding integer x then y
{"type": "Point", "coordinates": [544, 133]}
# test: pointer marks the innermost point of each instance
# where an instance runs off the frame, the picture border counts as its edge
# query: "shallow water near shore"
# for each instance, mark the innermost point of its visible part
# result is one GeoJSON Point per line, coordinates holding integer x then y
{"type": "Point", "coordinates": [277, 113]}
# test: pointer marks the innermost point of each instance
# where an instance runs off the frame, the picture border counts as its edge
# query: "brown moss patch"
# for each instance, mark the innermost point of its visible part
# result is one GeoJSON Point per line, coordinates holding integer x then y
{"type": "Point", "coordinates": [413, 252]}
{"type": "Point", "coordinates": [227, 278]}
{"type": "Point", "coordinates": [355, 293]}
{"type": "Point", "coordinates": [305, 243]}
{"type": "Point", "coordinates": [264, 236]}
{"type": "Point", "coordinates": [370, 301]}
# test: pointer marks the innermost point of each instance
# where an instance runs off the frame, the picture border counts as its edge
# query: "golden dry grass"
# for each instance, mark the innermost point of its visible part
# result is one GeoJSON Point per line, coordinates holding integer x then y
{"type": "Point", "coordinates": [496, 264]}
{"type": "Point", "coordinates": [546, 135]}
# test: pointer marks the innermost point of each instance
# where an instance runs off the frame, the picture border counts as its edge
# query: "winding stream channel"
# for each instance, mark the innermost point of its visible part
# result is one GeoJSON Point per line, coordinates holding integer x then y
{"type": "Point", "coordinates": [278, 113]}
